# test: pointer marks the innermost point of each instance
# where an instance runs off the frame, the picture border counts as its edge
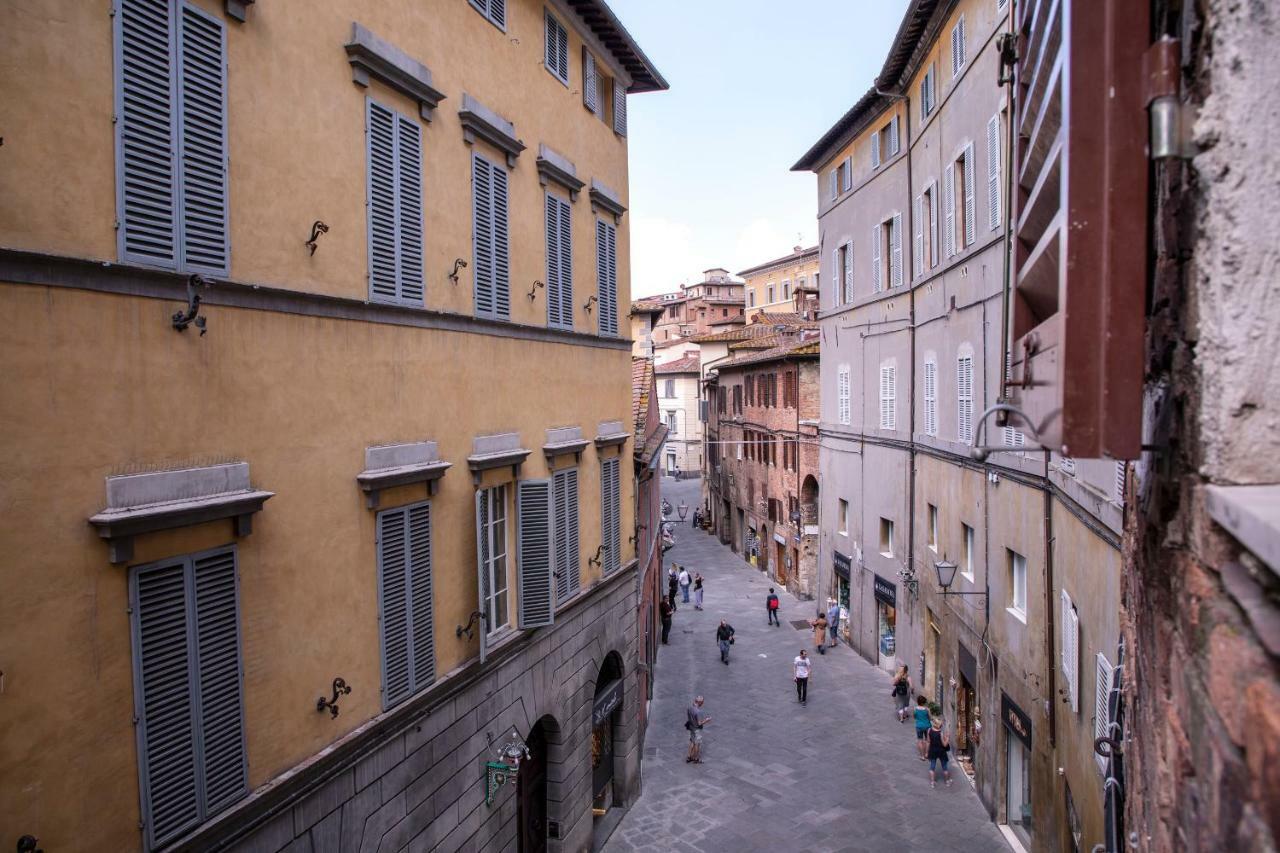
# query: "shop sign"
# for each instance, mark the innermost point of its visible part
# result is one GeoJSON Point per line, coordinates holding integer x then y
{"type": "Point", "coordinates": [1018, 723]}
{"type": "Point", "coordinates": [842, 564]}
{"type": "Point", "coordinates": [606, 703]}
{"type": "Point", "coordinates": [886, 591]}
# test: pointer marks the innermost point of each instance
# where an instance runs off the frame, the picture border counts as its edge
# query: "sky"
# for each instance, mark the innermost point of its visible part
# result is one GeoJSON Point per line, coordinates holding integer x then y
{"type": "Point", "coordinates": [754, 84]}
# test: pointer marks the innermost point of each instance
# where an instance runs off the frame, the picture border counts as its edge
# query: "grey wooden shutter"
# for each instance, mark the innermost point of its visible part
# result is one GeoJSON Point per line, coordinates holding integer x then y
{"type": "Point", "coordinates": [993, 172]}
{"type": "Point", "coordinates": [482, 566]}
{"type": "Point", "coordinates": [895, 251]}
{"type": "Point", "coordinates": [590, 82]}
{"type": "Point", "coordinates": [534, 552]}
{"type": "Point", "coordinates": [422, 644]}
{"type": "Point", "coordinates": [619, 109]}
{"type": "Point", "coordinates": [189, 690]}
{"type": "Point", "coordinates": [409, 208]}
{"type": "Point", "coordinates": [949, 209]}
{"type": "Point", "coordinates": [202, 142]}
{"type": "Point", "coordinates": [145, 145]}
{"type": "Point", "coordinates": [557, 48]}
{"type": "Point", "coordinates": [835, 183]}
{"type": "Point", "coordinates": [566, 264]}
{"type": "Point", "coordinates": [220, 681]}
{"type": "Point", "coordinates": [917, 246]}
{"type": "Point", "coordinates": [568, 567]}
{"type": "Point", "coordinates": [875, 150]}
{"type": "Point", "coordinates": [607, 277]}
{"type": "Point", "coordinates": [969, 195]}
{"type": "Point", "coordinates": [164, 700]}
{"type": "Point", "coordinates": [848, 271]}
{"type": "Point", "coordinates": [610, 501]}
{"type": "Point", "coordinates": [875, 259]}
{"type": "Point", "coordinates": [498, 12]}
{"type": "Point", "coordinates": [894, 141]}
{"type": "Point", "coordinates": [933, 224]}
{"type": "Point", "coordinates": [553, 261]}
{"type": "Point", "coordinates": [501, 247]}
{"type": "Point", "coordinates": [847, 168]}
{"type": "Point", "coordinates": [393, 604]}
{"type": "Point", "coordinates": [491, 250]}
{"type": "Point", "coordinates": [383, 233]}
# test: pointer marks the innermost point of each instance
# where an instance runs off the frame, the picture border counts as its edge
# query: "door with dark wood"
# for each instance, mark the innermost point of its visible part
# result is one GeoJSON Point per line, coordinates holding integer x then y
{"type": "Point", "coordinates": [532, 784]}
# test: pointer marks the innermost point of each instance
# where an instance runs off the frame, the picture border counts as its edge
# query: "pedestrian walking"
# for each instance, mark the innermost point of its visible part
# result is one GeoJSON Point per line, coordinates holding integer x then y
{"type": "Point", "coordinates": [672, 582]}
{"type": "Point", "coordinates": [939, 746]}
{"type": "Point", "coordinates": [724, 638]}
{"type": "Point", "coordinates": [697, 517]}
{"type": "Point", "coordinates": [833, 620]}
{"type": "Point", "coordinates": [684, 580]}
{"type": "Point", "coordinates": [697, 591]}
{"type": "Point", "coordinates": [819, 626]}
{"type": "Point", "coordinates": [664, 612]}
{"type": "Point", "coordinates": [922, 726]}
{"type": "Point", "coordinates": [771, 607]}
{"type": "Point", "coordinates": [694, 724]}
{"type": "Point", "coordinates": [801, 666]}
{"type": "Point", "coordinates": [902, 692]}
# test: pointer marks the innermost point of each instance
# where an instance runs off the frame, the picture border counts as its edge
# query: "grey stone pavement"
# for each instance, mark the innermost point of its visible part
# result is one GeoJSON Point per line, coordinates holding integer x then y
{"type": "Point", "coordinates": [838, 774]}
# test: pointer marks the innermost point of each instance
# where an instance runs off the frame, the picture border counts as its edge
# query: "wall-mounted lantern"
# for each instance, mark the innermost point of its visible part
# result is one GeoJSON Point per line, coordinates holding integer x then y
{"type": "Point", "coordinates": [509, 752]}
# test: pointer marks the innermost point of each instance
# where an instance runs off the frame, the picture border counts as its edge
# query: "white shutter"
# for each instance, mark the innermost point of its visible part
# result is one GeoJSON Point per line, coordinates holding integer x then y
{"type": "Point", "coordinates": [893, 136]}
{"type": "Point", "coordinates": [1071, 650]}
{"type": "Point", "coordinates": [993, 172]}
{"type": "Point", "coordinates": [955, 50]}
{"type": "Point", "coordinates": [933, 224]}
{"type": "Point", "coordinates": [619, 109]}
{"type": "Point", "coordinates": [837, 278]}
{"type": "Point", "coordinates": [1119, 488]}
{"type": "Point", "coordinates": [590, 82]}
{"type": "Point", "coordinates": [835, 183]}
{"type": "Point", "coordinates": [895, 260]}
{"type": "Point", "coordinates": [1103, 675]}
{"type": "Point", "coordinates": [917, 247]}
{"type": "Point", "coordinates": [848, 271]}
{"type": "Point", "coordinates": [969, 195]}
{"type": "Point", "coordinates": [964, 399]}
{"type": "Point", "coordinates": [888, 397]}
{"type": "Point", "coordinates": [875, 150]}
{"type": "Point", "coordinates": [848, 174]}
{"type": "Point", "coordinates": [534, 564]}
{"type": "Point", "coordinates": [949, 210]}
{"type": "Point", "coordinates": [930, 398]}
{"type": "Point", "coordinates": [842, 391]}
{"type": "Point", "coordinates": [875, 259]}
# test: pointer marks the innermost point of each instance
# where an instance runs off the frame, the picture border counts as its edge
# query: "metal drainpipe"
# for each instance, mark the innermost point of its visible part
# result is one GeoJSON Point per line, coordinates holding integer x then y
{"type": "Point", "coordinates": [1049, 610]}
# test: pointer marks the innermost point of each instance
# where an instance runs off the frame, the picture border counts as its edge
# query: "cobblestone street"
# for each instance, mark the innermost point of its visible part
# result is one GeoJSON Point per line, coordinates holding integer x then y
{"type": "Point", "coordinates": [838, 774]}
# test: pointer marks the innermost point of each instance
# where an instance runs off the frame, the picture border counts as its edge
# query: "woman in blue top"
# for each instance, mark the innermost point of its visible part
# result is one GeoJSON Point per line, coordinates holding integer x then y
{"type": "Point", "coordinates": [922, 726]}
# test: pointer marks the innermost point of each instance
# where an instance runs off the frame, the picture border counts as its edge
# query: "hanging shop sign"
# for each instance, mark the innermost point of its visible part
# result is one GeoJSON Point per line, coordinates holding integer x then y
{"type": "Point", "coordinates": [886, 591]}
{"type": "Point", "coordinates": [1015, 719]}
{"type": "Point", "coordinates": [606, 703]}
{"type": "Point", "coordinates": [842, 564]}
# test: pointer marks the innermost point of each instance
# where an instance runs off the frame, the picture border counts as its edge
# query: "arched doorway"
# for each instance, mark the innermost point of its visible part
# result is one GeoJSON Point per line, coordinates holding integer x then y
{"type": "Point", "coordinates": [762, 546]}
{"type": "Point", "coordinates": [532, 788]}
{"type": "Point", "coordinates": [606, 716]}
{"type": "Point", "coordinates": [809, 501]}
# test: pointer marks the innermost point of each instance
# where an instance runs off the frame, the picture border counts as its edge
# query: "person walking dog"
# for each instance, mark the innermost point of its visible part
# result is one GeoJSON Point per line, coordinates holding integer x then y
{"type": "Point", "coordinates": [697, 591]}
{"type": "Point", "coordinates": [939, 746]}
{"type": "Point", "coordinates": [771, 606]}
{"type": "Point", "coordinates": [694, 724]}
{"type": "Point", "coordinates": [833, 620]}
{"type": "Point", "coordinates": [724, 638]}
{"type": "Point", "coordinates": [684, 581]}
{"type": "Point", "coordinates": [820, 632]}
{"type": "Point", "coordinates": [801, 666]}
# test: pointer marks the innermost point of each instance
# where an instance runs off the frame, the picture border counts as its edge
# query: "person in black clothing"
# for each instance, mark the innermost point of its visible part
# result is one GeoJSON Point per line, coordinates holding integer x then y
{"type": "Point", "coordinates": [673, 583]}
{"type": "Point", "coordinates": [939, 746]}
{"type": "Point", "coordinates": [771, 605]}
{"type": "Point", "coordinates": [724, 637]}
{"type": "Point", "coordinates": [664, 611]}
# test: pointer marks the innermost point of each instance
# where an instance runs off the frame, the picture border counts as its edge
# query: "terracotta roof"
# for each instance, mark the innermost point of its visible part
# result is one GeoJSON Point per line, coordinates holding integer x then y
{"type": "Point", "coordinates": [735, 320]}
{"type": "Point", "coordinates": [613, 35]}
{"type": "Point", "coordinates": [761, 325]}
{"type": "Point", "coordinates": [810, 348]}
{"type": "Point", "coordinates": [646, 306]}
{"type": "Point", "coordinates": [688, 364]}
{"type": "Point", "coordinates": [785, 259]}
{"type": "Point", "coordinates": [641, 383]}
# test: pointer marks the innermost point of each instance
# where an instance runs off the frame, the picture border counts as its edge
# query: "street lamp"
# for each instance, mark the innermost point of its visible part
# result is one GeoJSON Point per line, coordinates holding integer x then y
{"type": "Point", "coordinates": [683, 509]}
{"type": "Point", "coordinates": [498, 773]}
{"type": "Point", "coordinates": [947, 575]}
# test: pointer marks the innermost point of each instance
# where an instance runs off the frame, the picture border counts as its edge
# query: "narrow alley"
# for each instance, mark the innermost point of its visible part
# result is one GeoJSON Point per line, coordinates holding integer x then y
{"type": "Point", "coordinates": [838, 774]}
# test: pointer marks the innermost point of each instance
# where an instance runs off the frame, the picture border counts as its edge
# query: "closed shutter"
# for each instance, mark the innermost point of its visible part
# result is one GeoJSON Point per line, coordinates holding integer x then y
{"type": "Point", "coordinates": [893, 136]}
{"type": "Point", "coordinates": [1103, 676]}
{"type": "Point", "coordinates": [409, 208]}
{"type": "Point", "coordinates": [969, 195]}
{"type": "Point", "coordinates": [609, 515]}
{"type": "Point", "coordinates": [202, 142]}
{"type": "Point", "coordinates": [394, 151]}
{"type": "Point", "coordinates": [949, 209]}
{"type": "Point", "coordinates": [930, 398]}
{"type": "Point", "coordinates": [590, 86]}
{"type": "Point", "coordinates": [876, 285]}
{"type": "Point", "coordinates": [888, 397]}
{"type": "Point", "coordinates": [422, 638]}
{"type": "Point", "coordinates": [568, 568]}
{"type": "Point", "coordinates": [491, 249]}
{"type": "Point", "coordinates": [607, 277]}
{"type": "Point", "coordinates": [534, 556]}
{"type": "Point", "coordinates": [848, 271]}
{"type": "Point", "coordinates": [895, 260]}
{"type": "Point", "coordinates": [165, 701]}
{"type": "Point", "coordinates": [957, 47]}
{"type": "Point", "coordinates": [559, 263]}
{"type": "Point", "coordinates": [619, 109]}
{"type": "Point", "coordinates": [993, 172]}
{"type": "Point", "coordinates": [847, 169]}
{"type": "Point", "coordinates": [933, 224]}
{"type": "Point", "coordinates": [1071, 650]}
{"type": "Point", "coordinates": [875, 150]}
{"type": "Point", "coordinates": [556, 47]}
{"type": "Point", "coordinates": [964, 398]}
{"type": "Point", "coordinates": [835, 183]}
{"type": "Point", "coordinates": [843, 392]}
{"type": "Point", "coordinates": [189, 689]}
{"type": "Point", "coordinates": [1118, 495]}
{"type": "Point", "coordinates": [482, 567]}
{"type": "Point", "coordinates": [917, 247]}
{"type": "Point", "coordinates": [404, 598]}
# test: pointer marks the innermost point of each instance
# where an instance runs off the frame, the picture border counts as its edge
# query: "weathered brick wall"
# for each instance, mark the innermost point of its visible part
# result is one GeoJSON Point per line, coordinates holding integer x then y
{"type": "Point", "coordinates": [1202, 698]}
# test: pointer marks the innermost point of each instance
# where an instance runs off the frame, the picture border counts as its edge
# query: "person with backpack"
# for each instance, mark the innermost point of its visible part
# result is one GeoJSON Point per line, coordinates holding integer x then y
{"type": "Point", "coordinates": [724, 638]}
{"type": "Point", "coordinates": [939, 746]}
{"type": "Point", "coordinates": [771, 607]}
{"type": "Point", "coordinates": [902, 692]}
{"type": "Point", "coordinates": [693, 723]}
{"type": "Point", "coordinates": [922, 726]}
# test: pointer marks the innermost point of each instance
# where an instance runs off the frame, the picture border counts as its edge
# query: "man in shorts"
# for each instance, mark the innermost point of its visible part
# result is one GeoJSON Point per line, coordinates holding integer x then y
{"type": "Point", "coordinates": [696, 720]}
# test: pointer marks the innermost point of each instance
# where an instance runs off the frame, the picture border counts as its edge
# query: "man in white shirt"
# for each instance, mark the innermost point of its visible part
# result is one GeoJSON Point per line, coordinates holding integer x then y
{"type": "Point", "coordinates": [801, 666]}
{"type": "Point", "coordinates": [685, 580]}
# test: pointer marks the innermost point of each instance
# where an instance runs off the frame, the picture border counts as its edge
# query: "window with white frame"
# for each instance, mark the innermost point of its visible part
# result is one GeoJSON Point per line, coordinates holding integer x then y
{"type": "Point", "coordinates": [933, 528]}
{"type": "Point", "coordinates": [842, 394]}
{"type": "Point", "coordinates": [885, 143]}
{"type": "Point", "coordinates": [491, 533]}
{"type": "Point", "coordinates": [926, 236]}
{"type": "Point", "coordinates": [844, 517]}
{"type": "Point", "coordinates": [786, 290]}
{"type": "Point", "coordinates": [671, 423]}
{"type": "Point", "coordinates": [928, 92]}
{"type": "Point", "coordinates": [1017, 584]}
{"type": "Point", "coordinates": [751, 298]}
{"type": "Point", "coordinates": [967, 554]}
{"type": "Point", "coordinates": [886, 537]}
{"type": "Point", "coordinates": [556, 49]}
{"type": "Point", "coordinates": [668, 388]}
{"type": "Point", "coordinates": [958, 203]}
{"type": "Point", "coordinates": [964, 397]}
{"type": "Point", "coordinates": [768, 294]}
{"type": "Point", "coordinates": [888, 395]}
{"type": "Point", "coordinates": [957, 47]}
{"type": "Point", "coordinates": [931, 397]}
{"type": "Point", "coordinates": [844, 273]}
{"type": "Point", "coordinates": [846, 174]}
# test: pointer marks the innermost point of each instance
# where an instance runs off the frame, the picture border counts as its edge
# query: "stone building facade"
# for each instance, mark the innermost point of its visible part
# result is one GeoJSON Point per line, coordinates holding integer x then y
{"type": "Point", "coordinates": [677, 378]}
{"type": "Point", "coordinates": [785, 285]}
{"type": "Point", "coordinates": [710, 305]}
{"type": "Point", "coordinates": [316, 547]}
{"type": "Point", "coordinates": [762, 454]}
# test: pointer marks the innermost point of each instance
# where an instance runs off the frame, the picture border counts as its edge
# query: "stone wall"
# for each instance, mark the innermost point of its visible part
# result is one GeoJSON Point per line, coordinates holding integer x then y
{"type": "Point", "coordinates": [422, 787]}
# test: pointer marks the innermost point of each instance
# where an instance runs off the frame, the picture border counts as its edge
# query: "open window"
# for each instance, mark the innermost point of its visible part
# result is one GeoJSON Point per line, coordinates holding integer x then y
{"type": "Point", "coordinates": [1079, 202]}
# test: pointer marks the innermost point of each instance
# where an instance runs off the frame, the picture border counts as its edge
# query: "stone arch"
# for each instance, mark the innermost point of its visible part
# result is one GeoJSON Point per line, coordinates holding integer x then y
{"type": "Point", "coordinates": [809, 500]}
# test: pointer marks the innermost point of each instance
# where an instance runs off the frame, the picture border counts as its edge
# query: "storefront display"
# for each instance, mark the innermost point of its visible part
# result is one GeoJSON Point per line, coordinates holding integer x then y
{"type": "Point", "coordinates": [886, 594]}
{"type": "Point", "coordinates": [608, 700]}
{"type": "Point", "coordinates": [1017, 726]}
{"type": "Point", "coordinates": [842, 564]}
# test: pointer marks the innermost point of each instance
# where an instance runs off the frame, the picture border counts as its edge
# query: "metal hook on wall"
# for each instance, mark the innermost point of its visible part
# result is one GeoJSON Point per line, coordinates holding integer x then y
{"type": "Point", "coordinates": [182, 319]}
{"type": "Point", "coordinates": [317, 228]}
{"type": "Point", "coordinates": [340, 688]}
{"type": "Point", "coordinates": [472, 622]}
{"type": "Point", "coordinates": [458, 264]}
{"type": "Point", "coordinates": [590, 300]}
{"type": "Point", "coordinates": [533, 290]}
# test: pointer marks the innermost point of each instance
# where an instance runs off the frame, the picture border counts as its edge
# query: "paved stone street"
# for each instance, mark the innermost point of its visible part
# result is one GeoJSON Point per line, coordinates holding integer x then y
{"type": "Point", "coordinates": [838, 774]}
